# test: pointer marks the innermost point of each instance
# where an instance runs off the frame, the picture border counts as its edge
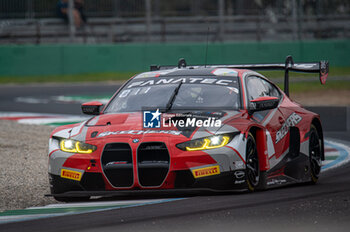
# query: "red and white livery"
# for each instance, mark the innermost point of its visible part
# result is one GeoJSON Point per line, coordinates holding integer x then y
{"type": "Point", "coordinates": [216, 127]}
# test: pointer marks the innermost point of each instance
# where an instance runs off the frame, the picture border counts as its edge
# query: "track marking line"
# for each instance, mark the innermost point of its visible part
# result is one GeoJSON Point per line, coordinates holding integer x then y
{"type": "Point", "coordinates": [335, 158]}
{"type": "Point", "coordinates": [34, 213]}
{"type": "Point", "coordinates": [81, 99]}
{"type": "Point", "coordinates": [65, 99]}
{"type": "Point", "coordinates": [42, 119]}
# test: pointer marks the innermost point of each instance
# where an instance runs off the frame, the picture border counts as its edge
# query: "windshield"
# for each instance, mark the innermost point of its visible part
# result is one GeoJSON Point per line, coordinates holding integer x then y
{"type": "Point", "coordinates": [190, 96]}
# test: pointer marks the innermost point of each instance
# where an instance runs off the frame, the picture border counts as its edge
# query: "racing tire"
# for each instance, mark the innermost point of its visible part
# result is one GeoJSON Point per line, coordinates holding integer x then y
{"type": "Point", "coordinates": [252, 164]}
{"type": "Point", "coordinates": [315, 154]}
{"type": "Point", "coordinates": [262, 181]}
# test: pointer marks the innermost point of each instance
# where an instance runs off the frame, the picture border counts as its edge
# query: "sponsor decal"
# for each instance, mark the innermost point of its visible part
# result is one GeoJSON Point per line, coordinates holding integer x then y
{"type": "Point", "coordinates": [239, 181]}
{"type": "Point", "coordinates": [292, 120]}
{"type": "Point", "coordinates": [154, 74]}
{"type": "Point", "coordinates": [276, 181]}
{"type": "Point", "coordinates": [69, 174]}
{"type": "Point", "coordinates": [191, 80]}
{"type": "Point", "coordinates": [238, 164]}
{"type": "Point", "coordinates": [138, 132]}
{"type": "Point", "coordinates": [303, 65]}
{"type": "Point", "coordinates": [151, 118]}
{"type": "Point", "coordinates": [225, 72]}
{"type": "Point", "coordinates": [239, 174]}
{"type": "Point", "coordinates": [208, 171]}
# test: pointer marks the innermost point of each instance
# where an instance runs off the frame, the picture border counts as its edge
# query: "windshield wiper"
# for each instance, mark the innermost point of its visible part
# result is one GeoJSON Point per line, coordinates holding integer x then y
{"type": "Point", "coordinates": [172, 98]}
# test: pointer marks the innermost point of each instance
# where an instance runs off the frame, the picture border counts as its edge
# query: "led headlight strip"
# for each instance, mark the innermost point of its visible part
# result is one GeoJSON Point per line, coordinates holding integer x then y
{"type": "Point", "coordinates": [73, 146]}
{"type": "Point", "coordinates": [210, 142]}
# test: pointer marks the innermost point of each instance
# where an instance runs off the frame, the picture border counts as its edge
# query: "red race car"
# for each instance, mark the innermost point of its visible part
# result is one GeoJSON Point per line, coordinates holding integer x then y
{"type": "Point", "coordinates": [185, 127]}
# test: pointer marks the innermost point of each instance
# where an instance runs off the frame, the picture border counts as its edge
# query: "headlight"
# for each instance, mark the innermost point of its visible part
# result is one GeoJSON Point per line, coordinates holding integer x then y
{"type": "Point", "coordinates": [210, 142]}
{"type": "Point", "coordinates": [70, 145]}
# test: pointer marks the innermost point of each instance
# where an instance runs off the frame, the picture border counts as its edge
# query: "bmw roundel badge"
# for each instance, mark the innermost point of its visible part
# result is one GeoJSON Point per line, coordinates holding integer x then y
{"type": "Point", "coordinates": [135, 140]}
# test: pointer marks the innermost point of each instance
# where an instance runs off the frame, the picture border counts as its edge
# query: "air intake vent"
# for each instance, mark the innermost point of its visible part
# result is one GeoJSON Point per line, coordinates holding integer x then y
{"type": "Point", "coordinates": [153, 163]}
{"type": "Point", "coordinates": [117, 164]}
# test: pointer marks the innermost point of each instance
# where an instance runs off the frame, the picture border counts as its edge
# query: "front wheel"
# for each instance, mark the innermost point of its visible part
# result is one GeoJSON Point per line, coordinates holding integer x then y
{"type": "Point", "coordinates": [252, 164]}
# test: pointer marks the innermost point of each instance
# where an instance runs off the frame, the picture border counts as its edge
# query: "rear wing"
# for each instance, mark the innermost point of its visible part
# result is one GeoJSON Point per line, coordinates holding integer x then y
{"type": "Point", "coordinates": [321, 67]}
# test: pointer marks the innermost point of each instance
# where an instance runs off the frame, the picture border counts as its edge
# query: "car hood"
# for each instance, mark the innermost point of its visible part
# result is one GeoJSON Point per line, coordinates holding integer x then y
{"type": "Point", "coordinates": [134, 121]}
{"type": "Point", "coordinates": [125, 121]}
{"type": "Point", "coordinates": [128, 124]}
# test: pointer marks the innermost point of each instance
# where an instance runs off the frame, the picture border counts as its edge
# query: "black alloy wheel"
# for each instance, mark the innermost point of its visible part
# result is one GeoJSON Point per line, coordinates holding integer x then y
{"type": "Point", "coordinates": [252, 164]}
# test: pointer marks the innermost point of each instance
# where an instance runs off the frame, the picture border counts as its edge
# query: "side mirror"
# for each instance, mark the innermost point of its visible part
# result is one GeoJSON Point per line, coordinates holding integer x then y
{"type": "Point", "coordinates": [263, 103]}
{"type": "Point", "coordinates": [91, 108]}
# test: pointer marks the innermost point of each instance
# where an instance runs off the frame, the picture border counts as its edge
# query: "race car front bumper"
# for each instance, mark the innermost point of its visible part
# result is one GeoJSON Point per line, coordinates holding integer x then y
{"type": "Point", "coordinates": [93, 184]}
{"type": "Point", "coordinates": [148, 165]}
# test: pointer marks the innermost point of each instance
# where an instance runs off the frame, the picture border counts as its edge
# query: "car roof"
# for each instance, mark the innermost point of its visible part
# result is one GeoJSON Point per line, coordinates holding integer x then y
{"type": "Point", "coordinates": [194, 71]}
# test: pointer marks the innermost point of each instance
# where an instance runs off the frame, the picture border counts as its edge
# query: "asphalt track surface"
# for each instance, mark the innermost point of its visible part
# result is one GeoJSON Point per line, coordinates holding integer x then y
{"type": "Point", "coordinates": [321, 207]}
{"type": "Point", "coordinates": [10, 93]}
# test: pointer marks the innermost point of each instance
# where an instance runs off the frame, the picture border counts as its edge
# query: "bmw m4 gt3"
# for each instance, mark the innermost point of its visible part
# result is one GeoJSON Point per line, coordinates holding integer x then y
{"type": "Point", "coordinates": [185, 127]}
